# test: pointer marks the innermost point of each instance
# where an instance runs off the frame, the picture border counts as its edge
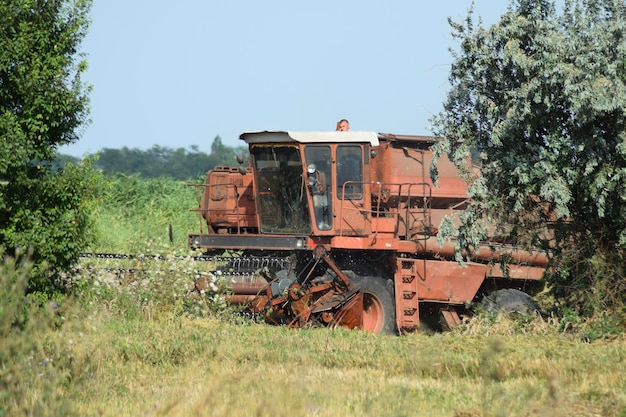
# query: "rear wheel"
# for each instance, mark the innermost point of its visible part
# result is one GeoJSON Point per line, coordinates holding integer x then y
{"type": "Point", "coordinates": [379, 312]}
{"type": "Point", "coordinates": [509, 301]}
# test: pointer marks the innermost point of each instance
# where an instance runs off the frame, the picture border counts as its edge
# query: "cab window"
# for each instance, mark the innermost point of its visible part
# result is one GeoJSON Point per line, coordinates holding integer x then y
{"type": "Point", "coordinates": [349, 172]}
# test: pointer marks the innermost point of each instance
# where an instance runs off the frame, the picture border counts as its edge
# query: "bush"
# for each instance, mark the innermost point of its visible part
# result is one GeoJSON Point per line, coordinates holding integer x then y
{"type": "Point", "coordinates": [35, 369]}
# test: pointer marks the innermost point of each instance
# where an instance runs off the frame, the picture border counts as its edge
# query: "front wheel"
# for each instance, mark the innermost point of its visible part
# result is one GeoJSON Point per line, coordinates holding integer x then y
{"type": "Point", "coordinates": [379, 311]}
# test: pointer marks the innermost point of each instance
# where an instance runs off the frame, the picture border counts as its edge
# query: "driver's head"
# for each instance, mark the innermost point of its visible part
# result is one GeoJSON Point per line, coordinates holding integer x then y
{"type": "Point", "coordinates": [343, 125]}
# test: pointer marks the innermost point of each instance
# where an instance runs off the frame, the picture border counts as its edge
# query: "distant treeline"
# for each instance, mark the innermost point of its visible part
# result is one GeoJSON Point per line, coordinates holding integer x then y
{"type": "Point", "coordinates": [159, 161]}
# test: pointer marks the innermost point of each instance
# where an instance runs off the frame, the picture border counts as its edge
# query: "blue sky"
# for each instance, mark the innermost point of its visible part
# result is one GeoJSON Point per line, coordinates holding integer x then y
{"type": "Point", "coordinates": [177, 74]}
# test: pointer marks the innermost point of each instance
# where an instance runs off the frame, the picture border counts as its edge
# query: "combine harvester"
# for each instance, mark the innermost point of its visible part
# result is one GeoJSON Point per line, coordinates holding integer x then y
{"type": "Point", "coordinates": [340, 229]}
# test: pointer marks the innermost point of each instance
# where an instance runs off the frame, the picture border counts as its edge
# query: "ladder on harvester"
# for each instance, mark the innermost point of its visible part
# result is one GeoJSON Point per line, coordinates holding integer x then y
{"type": "Point", "coordinates": [407, 277]}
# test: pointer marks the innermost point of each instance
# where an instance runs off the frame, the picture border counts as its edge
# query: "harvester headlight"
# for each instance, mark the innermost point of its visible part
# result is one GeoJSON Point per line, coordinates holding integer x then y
{"type": "Point", "coordinates": [300, 243]}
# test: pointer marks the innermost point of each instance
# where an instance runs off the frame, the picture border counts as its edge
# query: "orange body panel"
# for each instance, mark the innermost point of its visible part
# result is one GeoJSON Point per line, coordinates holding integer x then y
{"type": "Point", "coordinates": [448, 281]}
{"type": "Point", "coordinates": [228, 200]}
{"type": "Point", "coordinates": [400, 165]}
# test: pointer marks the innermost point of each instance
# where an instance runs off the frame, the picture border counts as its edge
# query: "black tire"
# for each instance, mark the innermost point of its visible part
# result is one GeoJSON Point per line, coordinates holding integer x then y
{"type": "Point", "coordinates": [379, 310]}
{"type": "Point", "coordinates": [509, 301]}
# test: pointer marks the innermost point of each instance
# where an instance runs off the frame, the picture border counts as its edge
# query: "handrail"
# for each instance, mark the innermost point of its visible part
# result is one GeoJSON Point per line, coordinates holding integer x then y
{"type": "Point", "coordinates": [398, 197]}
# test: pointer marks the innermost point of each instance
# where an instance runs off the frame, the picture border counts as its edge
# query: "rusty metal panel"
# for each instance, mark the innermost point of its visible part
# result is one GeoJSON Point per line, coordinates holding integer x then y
{"type": "Point", "coordinates": [516, 271]}
{"type": "Point", "coordinates": [451, 317]}
{"type": "Point", "coordinates": [450, 282]}
{"type": "Point", "coordinates": [228, 199]}
{"type": "Point", "coordinates": [402, 166]}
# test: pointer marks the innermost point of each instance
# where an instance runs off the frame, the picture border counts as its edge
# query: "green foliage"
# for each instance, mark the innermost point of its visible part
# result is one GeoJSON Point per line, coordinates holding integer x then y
{"type": "Point", "coordinates": [42, 100]}
{"type": "Point", "coordinates": [35, 369]}
{"type": "Point", "coordinates": [162, 161]}
{"type": "Point", "coordinates": [61, 160]}
{"type": "Point", "coordinates": [135, 214]}
{"type": "Point", "coordinates": [540, 97]}
{"type": "Point", "coordinates": [154, 287]}
{"type": "Point", "coordinates": [50, 212]}
{"type": "Point", "coordinates": [590, 280]}
{"type": "Point", "coordinates": [139, 216]}
{"type": "Point", "coordinates": [43, 103]}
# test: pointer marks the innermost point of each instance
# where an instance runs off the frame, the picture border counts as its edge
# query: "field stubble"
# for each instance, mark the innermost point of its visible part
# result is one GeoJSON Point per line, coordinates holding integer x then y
{"type": "Point", "coordinates": [205, 367]}
{"type": "Point", "coordinates": [139, 348]}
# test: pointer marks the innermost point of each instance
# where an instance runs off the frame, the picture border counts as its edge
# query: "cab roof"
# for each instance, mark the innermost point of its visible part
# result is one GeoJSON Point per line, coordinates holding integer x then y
{"type": "Point", "coordinates": [268, 136]}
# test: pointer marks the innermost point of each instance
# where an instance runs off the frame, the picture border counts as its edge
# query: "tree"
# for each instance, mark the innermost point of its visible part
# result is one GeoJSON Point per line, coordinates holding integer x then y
{"type": "Point", "coordinates": [540, 98]}
{"type": "Point", "coordinates": [161, 161]}
{"type": "Point", "coordinates": [224, 155]}
{"type": "Point", "coordinates": [43, 103]}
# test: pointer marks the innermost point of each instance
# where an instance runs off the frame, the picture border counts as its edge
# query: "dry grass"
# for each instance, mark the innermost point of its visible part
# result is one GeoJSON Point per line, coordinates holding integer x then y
{"type": "Point", "coordinates": [130, 353]}
{"type": "Point", "coordinates": [138, 348]}
{"type": "Point", "coordinates": [205, 367]}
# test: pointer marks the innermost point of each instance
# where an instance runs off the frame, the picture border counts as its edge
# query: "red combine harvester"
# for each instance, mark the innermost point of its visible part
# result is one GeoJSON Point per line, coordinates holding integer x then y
{"type": "Point", "coordinates": [339, 229]}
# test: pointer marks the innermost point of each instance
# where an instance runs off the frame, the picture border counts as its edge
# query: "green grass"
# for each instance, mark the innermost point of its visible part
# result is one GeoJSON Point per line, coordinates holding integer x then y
{"type": "Point", "coordinates": [135, 215]}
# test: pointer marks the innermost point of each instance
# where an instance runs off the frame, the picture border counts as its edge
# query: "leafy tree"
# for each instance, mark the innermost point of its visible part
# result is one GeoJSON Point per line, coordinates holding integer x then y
{"type": "Point", "coordinates": [540, 98]}
{"type": "Point", "coordinates": [43, 103]}
{"type": "Point", "coordinates": [63, 160]}
{"type": "Point", "coordinates": [161, 161]}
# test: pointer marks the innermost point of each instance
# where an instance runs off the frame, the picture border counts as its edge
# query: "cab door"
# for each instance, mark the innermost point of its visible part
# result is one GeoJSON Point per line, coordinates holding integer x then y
{"type": "Point", "coordinates": [352, 189]}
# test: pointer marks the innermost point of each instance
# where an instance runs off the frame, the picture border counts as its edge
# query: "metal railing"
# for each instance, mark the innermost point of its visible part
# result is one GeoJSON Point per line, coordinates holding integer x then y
{"type": "Point", "coordinates": [408, 202]}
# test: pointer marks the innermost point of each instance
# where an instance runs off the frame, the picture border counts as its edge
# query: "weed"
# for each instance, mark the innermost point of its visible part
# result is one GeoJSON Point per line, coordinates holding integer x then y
{"type": "Point", "coordinates": [37, 368]}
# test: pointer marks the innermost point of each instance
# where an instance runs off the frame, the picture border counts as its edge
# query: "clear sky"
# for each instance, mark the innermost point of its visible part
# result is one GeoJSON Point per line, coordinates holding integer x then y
{"type": "Point", "coordinates": [180, 73]}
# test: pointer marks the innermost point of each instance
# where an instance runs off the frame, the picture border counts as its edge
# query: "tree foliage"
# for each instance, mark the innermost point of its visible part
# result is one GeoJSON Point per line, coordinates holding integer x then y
{"type": "Point", "coordinates": [43, 104]}
{"type": "Point", "coordinates": [161, 161]}
{"type": "Point", "coordinates": [540, 98]}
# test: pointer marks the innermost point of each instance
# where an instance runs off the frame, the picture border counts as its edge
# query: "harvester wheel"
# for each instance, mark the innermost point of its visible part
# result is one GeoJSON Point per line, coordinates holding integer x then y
{"type": "Point", "coordinates": [379, 313]}
{"type": "Point", "coordinates": [509, 301]}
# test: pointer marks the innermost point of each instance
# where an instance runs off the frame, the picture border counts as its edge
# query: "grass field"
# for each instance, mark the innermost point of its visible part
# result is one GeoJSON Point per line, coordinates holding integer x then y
{"type": "Point", "coordinates": [109, 365]}
{"type": "Point", "coordinates": [139, 347]}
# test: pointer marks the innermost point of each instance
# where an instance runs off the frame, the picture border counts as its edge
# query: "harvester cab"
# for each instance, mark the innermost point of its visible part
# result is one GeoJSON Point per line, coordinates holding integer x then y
{"type": "Point", "coordinates": [303, 180]}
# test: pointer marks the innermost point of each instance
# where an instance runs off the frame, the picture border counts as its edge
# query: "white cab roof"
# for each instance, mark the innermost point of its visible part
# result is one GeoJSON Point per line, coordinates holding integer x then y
{"type": "Point", "coordinates": [309, 137]}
